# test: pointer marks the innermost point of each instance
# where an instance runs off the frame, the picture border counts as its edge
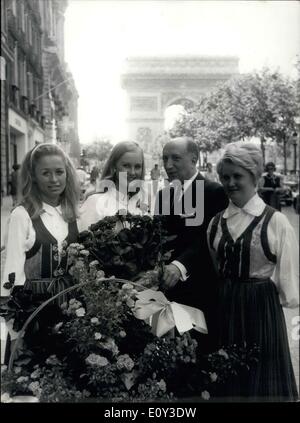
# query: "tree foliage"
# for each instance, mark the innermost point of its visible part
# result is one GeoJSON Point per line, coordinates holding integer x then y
{"type": "Point", "coordinates": [259, 104]}
{"type": "Point", "coordinates": [99, 149]}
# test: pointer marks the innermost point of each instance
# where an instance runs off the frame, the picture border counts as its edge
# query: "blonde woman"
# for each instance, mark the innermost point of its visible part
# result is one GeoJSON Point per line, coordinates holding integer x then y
{"type": "Point", "coordinates": [126, 160]}
{"type": "Point", "coordinates": [256, 253]}
{"type": "Point", "coordinates": [38, 226]}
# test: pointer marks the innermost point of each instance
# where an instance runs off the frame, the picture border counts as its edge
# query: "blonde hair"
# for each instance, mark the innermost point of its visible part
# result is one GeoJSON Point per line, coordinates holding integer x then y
{"type": "Point", "coordinates": [109, 171]}
{"type": "Point", "coordinates": [244, 154]}
{"type": "Point", "coordinates": [31, 199]}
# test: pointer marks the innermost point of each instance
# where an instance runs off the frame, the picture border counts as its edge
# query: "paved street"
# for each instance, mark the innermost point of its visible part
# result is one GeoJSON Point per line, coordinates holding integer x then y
{"type": "Point", "coordinates": [290, 315]}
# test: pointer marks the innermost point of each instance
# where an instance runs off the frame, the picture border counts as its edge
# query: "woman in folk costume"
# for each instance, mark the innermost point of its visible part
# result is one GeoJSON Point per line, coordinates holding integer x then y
{"type": "Point", "coordinates": [256, 254]}
{"type": "Point", "coordinates": [44, 220]}
{"type": "Point", "coordinates": [122, 186]}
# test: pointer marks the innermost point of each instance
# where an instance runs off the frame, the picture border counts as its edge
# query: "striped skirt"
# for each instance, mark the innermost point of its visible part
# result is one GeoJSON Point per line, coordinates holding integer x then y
{"type": "Point", "coordinates": [251, 314]}
{"type": "Point", "coordinates": [44, 289]}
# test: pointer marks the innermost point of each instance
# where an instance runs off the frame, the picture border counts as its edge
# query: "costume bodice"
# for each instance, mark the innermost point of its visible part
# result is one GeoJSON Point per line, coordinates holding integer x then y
{"type": "Point", "coordinates": [42, 259]}
{"type": "Point", "coordinates": [249, 256]}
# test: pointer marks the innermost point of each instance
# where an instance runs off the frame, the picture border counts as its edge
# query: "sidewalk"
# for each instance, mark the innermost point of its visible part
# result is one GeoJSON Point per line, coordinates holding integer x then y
{"type": "Point", "coordinates": [5, 212]}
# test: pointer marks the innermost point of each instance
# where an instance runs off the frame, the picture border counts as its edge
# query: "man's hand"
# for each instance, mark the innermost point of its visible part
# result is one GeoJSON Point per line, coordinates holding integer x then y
{"type": "Point", "coordinates": [171, 276]}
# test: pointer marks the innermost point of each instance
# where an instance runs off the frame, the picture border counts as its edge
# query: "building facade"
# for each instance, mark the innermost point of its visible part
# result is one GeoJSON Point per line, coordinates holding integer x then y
{"type": "Point", "coordinates": [61, 97]}
{"type": "Point", "coordinates": [6, 56]}
{"type": "Point", "coordinates": [32, 50]}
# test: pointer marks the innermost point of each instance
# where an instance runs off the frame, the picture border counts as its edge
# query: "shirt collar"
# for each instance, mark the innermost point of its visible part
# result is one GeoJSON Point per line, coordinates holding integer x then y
{"type": "Point", "coordinates": [112, 193]}
{"type": "Point", "coordinates": [255, 206]}
{"type": "Point", "coordinates": [52, 210]}
{"type": "Point", "coordinates": [188, 182]}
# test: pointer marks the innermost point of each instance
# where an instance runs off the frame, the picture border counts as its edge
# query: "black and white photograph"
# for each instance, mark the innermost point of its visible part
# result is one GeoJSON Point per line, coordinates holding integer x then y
{"type": "Point", "coordinates": [150, 204]}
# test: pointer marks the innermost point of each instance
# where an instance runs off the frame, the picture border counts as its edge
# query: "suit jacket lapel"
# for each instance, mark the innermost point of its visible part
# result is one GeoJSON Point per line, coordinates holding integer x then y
{"type": "Point", "coordinates": [193, 188]}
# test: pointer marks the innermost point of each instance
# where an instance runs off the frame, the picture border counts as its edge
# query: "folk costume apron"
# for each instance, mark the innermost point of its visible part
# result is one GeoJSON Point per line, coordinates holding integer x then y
{"type": "Point", "coordinates": [45, 274]}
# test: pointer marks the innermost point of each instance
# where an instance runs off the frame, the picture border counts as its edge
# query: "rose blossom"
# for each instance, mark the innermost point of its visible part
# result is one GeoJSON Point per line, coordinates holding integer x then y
{"type": "Point", "coordinates": [96, 360]}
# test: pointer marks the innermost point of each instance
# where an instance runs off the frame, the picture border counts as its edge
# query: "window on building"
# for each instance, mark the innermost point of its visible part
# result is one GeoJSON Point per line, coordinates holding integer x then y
{"type": "Point", "coordinates": [52, 20]}
{"type": "Point", "coordinates": [39, 44]}
{"type": "Point", "coordinates": [19, 14]}
{"type": "Point", "coordinates": [20, 74]}
{"type": "Point", "coordinates": [13, 148]}
{"type": "Point", "coordinates": [4, 16]}
{"type": "Point", "coordinates": [40, 99]}
{"type": "Point", "coordinates": [27, 27]}
{"type": "Point", "coordinates": [29, 31]}
{"type": "Point", "coordinates": [15, 77]}
{"type": "Point", "coordinates": [22, 17]}
{"type": "Point", "coordinates": [35, 94]}
{"type": "Point", "coordinates": [35, 41]}
{"type": "Point", "coordinates": [9, 74]}
{"type": "Point", "coordinates": [23, 78]}
{"type": "Point", "coordinates": [29, 87]}
{"type": "Point", "coordinates": [14, 7]}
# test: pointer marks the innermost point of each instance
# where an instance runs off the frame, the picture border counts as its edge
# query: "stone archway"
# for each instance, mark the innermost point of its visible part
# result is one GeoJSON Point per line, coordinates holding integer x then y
{"type": "Point", "coordinates": [154, 83]}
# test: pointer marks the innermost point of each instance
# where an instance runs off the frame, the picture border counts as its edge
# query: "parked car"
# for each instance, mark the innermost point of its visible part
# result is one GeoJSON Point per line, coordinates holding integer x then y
{"type": "Point", "coordinates": [286, 197]}
{"type": "Point", "coordinates": [296, 203]}
{"type": "Point", "coordinates": [290, 191]}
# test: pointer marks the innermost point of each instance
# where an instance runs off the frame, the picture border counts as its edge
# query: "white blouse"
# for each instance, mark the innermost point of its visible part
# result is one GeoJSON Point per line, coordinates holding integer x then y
{"type": "Point", "coordinates": [21, 238]}
{"type": "Point", "coordinates": [100, 205]}
{"type": "Point", "coordinates": [282, 242]}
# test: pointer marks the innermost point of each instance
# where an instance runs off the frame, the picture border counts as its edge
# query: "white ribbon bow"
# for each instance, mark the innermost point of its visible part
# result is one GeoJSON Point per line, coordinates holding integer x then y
{"type": "Point", "coordinates": [166, 314]}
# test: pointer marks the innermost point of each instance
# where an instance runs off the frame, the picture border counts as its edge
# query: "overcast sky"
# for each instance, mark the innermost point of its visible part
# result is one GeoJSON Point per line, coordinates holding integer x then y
{"type": "Point", "coordinates": [100, 34]}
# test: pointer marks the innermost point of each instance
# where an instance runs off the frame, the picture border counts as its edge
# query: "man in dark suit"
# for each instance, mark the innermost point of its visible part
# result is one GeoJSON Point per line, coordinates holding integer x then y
{"type": "Point", "coordinates": [190, 278]}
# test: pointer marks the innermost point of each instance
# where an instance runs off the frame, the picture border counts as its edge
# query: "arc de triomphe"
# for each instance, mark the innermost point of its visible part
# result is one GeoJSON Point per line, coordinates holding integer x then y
{"type": "Point", "coordinates": [154, 83]}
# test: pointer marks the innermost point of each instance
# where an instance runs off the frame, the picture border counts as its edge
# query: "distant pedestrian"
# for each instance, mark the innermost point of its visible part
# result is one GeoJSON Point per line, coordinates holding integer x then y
{"type": "Point", "coordinates": [94, 175]}
{"type": "Point", "coordinates": [155, 175]}
{"type": "Point", "coordinates": [270, 186]}
{"type": "Point", "coordinates": [15, 183]}
{"type": "Point", "coordinates": [210, 173]}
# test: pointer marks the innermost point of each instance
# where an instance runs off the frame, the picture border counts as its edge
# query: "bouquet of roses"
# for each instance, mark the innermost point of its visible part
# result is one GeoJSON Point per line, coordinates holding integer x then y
{"type": "Point", "coordinates": [127, 246]}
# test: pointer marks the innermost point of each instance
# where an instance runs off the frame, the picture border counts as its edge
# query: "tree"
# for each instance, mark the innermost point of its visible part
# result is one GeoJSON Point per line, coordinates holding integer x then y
{"type": "Point", "coordinates": [261, 104]}
{"type": "Point", "coordinates": [282, 104]}
{"type": "Point", "coordinates": [99, 149]}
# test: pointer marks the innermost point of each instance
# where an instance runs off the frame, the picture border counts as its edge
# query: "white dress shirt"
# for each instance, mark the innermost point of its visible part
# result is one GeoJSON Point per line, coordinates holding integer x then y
{"type": "Point", "coordinates": [100, 205]}
{"type": "Point", "coordinates": [21, 238]}
{"type": "Point", "coordinates": [282, 242]}
{"type": "Point", "coordinates": [181, 267]}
